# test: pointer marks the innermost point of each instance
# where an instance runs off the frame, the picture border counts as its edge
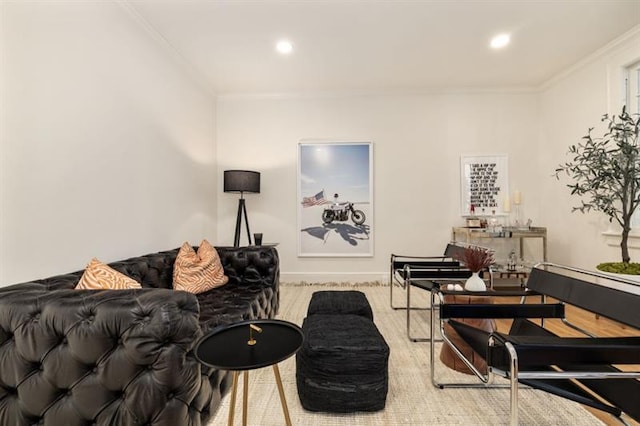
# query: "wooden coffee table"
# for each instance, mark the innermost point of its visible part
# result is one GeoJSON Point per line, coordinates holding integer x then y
{"type": "Point", "coordinates": [447, 356]}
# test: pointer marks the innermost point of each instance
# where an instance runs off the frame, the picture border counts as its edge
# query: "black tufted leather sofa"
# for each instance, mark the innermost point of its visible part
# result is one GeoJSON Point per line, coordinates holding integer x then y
{"type": "Point", "coordinates": [124, 357]}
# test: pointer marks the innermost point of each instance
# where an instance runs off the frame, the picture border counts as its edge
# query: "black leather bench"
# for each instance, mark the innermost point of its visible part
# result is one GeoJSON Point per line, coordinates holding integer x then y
{"type": "Point", "coordinates": [578, 368]}
{"type": "Point", "coordinates": [336, 302]}
{"type": "Point", "coordinates": [342, 365]}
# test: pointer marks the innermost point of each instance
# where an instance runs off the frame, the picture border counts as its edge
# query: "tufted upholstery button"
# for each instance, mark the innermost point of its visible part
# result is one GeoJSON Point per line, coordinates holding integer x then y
{"type": "Point", "coordinates": [170, 396]}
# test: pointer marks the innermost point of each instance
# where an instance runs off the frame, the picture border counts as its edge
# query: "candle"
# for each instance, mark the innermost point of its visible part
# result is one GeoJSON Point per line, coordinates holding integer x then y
{"type": "Point", "coordinates": [506, 207]}
{"type": "Point", "coordinates": [517, 197]}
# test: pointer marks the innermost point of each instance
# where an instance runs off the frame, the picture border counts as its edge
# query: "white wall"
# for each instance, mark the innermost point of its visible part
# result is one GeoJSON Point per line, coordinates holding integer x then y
{"type": "Point", "coordinates": [107, 147]}
{"type": "Point", "coordinates": [569, 106]}
{"type": "Point", "coordinates": [418, 140]}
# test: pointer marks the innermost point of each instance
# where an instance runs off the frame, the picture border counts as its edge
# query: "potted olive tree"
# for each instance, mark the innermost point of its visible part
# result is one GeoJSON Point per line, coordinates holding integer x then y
{"type": "Point", "coordinates": [605, 174]}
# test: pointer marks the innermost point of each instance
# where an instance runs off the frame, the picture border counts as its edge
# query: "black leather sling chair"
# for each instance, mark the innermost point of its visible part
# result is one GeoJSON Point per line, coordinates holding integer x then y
{"type": "Point", "coordinates": [425, 272]}
{"type": "Point", "coordinates": [582, 369]}
{"type": "Point", "coordinates": [399, 264]}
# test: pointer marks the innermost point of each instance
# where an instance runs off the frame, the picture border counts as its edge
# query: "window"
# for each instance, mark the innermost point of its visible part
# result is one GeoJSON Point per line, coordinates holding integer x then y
{"type": "Point", "coordinates": [632, 101]}
{"type": "Point", "coordinates": [632, 88]}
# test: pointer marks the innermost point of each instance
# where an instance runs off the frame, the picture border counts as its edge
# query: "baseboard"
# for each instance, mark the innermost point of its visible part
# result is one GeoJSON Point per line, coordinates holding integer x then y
{"type": "Point", "coordinates": [334, 277]}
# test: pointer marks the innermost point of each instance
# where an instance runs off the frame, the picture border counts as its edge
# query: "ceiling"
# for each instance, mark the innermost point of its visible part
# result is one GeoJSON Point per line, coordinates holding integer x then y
{"type": "Point", "coordinates": [383, 45]}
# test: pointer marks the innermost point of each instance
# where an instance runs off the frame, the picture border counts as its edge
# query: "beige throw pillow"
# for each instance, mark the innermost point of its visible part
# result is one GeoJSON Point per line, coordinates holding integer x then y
{"type": "Point", "coordinates": [198, 272]}
{"type": "Point", "coordinates": [98, 276]}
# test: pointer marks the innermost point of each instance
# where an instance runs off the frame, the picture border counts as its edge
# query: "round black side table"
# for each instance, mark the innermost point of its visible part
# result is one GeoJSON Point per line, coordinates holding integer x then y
{"type": "Point", "coordinates": [248, 345]}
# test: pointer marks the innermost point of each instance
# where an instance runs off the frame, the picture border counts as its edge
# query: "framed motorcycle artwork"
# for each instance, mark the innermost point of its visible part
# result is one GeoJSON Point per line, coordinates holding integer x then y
{"type": "Point", "coordinates": [335, 199]}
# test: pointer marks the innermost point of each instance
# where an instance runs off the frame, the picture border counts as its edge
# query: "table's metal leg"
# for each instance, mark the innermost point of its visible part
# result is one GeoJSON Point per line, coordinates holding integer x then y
{"type": "Point", "coordinates": [408, 310]}
{"type": "Point", "coordinates": [234, 391]}
{"type": "Point", "coordinates": [432, 342]}
{"type": "Point", "coordinates": [283, 400]}
{"type": "Point", "coordinates": [245, 397]}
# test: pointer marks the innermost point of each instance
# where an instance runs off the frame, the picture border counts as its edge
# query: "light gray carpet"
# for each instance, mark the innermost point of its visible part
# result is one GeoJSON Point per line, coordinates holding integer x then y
{"type": "Point", "coordinates": [411, 400]}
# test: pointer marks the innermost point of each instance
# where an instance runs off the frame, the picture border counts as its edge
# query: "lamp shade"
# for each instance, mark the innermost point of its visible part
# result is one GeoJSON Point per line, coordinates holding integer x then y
{"type": "Point", "coordinates": [241, 181]}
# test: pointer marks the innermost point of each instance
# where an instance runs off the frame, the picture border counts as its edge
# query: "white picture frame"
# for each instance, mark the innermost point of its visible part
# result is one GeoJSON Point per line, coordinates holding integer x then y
{"type": "Point", "coordinates": [484, 183]}
{"type": "Point", "coordinates": [326, 168]}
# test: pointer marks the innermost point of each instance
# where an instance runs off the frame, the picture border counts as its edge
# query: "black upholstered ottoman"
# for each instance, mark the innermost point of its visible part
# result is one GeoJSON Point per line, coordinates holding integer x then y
{"type": "Point", "coordinates": [342, 365]}
{"type": "Point", "coordinates": [340, 302]}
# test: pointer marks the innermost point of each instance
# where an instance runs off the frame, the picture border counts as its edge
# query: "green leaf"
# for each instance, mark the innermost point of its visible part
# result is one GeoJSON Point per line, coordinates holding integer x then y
{"type": "Point", "coordinates": [605, 171]}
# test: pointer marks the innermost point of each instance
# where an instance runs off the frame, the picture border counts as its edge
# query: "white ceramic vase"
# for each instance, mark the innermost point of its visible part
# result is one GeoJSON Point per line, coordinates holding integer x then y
{"type": "Point", "coordinates": [475, 283]}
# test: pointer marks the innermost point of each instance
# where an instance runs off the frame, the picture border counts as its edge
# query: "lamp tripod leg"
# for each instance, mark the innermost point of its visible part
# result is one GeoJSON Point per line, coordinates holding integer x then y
{"type": "Point", "coordinates": [244, 210]}
{"type": "Point", "coordinates": [236, 238]}
{"type": "Point", "coordinates": [283, 400]}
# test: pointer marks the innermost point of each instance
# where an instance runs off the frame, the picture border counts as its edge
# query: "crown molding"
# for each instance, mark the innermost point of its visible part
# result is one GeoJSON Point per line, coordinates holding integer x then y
{"type": "Point", "coordinates": [604, 50]}
{"type": "Point", "coordinates": [196, 76]}
{"type": "Point", "coordinates": [374, 93]}
{"type": "Point", "coordinates": [200, 79]}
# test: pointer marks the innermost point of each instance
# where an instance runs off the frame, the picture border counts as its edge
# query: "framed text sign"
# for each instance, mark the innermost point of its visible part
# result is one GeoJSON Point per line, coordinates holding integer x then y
{"type": "Point", "coordinates": [484, 183]}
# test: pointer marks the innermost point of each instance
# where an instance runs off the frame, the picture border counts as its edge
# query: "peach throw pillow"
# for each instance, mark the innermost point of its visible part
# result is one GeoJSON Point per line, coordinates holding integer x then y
{"type": "Point", "coordinates": [198, 272]}
{"type": "Point", "coordinates": [98, 276]}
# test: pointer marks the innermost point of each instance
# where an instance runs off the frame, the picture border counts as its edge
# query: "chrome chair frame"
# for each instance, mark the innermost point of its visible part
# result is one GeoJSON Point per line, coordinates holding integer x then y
{"type": "Point", "coordinates": [416, 265]}
{"type": "Point", "coordinates": [430, 279]}
{"type": "Point", "coordinates": [425, 272]}
{"type": "Point", "coordinates": [513, 373]}
{"type": "Point", "coordinates": [486, 380]}
{"type": "Point", "coordinates": [397, 267]}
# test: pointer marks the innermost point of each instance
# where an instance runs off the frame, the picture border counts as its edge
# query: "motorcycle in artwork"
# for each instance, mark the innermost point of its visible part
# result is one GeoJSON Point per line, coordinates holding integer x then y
{"type": "Point", "coordinates": [341, 212]}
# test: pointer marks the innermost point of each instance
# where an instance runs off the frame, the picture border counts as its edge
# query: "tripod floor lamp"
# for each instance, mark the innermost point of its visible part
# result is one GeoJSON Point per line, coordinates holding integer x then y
{"type": "Point", "coordinates": [241, 181]}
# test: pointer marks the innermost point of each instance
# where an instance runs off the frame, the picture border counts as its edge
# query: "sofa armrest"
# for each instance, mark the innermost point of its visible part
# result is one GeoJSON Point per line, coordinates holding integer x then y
{"type": "Point", "coordinates": [111, 357]}
{"type": "Point", "coordinates": [251, 265]}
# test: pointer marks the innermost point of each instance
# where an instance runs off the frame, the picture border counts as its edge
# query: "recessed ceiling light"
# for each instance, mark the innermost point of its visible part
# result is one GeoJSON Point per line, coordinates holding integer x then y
{"type": "Point", "coordinates": [500, 41]}
{"type": "Point", "coordinates": [284, 47]}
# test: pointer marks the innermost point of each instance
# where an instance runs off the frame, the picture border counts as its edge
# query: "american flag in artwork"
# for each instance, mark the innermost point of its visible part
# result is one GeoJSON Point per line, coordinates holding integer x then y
{"type": "Point", "coordinates": [315, 200]}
